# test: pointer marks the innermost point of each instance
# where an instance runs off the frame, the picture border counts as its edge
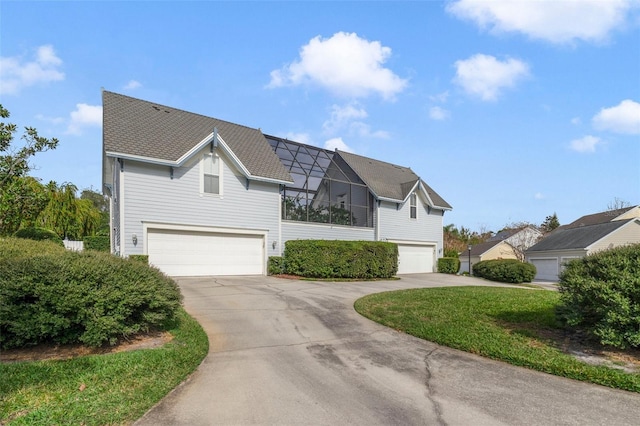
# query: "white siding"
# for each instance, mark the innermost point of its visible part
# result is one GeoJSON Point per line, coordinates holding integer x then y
{"type": "Point", "coordinates": [151, 195]}
{"type": "Point", "coordinates": [395, 224]}
{"type": "Point", "coordinates": [312, 231]}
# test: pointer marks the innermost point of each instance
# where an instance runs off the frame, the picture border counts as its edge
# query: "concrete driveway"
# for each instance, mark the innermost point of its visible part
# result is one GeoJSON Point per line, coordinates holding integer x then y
{"type": "Point", "coordinates": [293, 352]}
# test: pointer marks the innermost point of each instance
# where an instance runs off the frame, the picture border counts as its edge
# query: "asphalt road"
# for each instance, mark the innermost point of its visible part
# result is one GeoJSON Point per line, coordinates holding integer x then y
{"type": "Point", "coordinates": [286, 352]}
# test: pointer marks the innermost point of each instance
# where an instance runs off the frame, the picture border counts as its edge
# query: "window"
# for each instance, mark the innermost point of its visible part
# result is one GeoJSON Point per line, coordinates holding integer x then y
{"type": "Point", "coordinates": [413, 206]}
{"type": "Point", "coordinates": [211, 174]}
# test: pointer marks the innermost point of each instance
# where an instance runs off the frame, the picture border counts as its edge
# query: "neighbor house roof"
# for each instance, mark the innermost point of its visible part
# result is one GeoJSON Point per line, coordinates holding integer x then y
{"type": "Point", "coordinates": [481, 248]}
{"type": "Point", "coordinates": [577, 238]}
{"type": "Point", "coordinates": [389, 181]}
{"type": "Point", "coordinates": [593, 219]}
{"type": "Point", "coordinates": [145, 130]}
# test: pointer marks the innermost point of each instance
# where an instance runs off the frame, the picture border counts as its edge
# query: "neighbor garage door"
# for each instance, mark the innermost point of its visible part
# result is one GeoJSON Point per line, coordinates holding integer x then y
{"type": "Point", "coordinates": [414, 259]}
{"type": "Point", "coordinates": [186, 253]}
{"type": "Point", "coordinates": [546, 269]}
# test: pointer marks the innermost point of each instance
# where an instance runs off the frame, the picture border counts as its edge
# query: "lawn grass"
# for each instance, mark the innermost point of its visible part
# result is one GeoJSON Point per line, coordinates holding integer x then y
{"type": "Point", "coordinates": [118, 388]}
{"type": "Point", "coordinates": [506, 324]}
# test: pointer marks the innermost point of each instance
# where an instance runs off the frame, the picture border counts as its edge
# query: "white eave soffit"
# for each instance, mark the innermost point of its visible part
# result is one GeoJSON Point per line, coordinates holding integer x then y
{"type": "Point", "coordinates": [189, 154]}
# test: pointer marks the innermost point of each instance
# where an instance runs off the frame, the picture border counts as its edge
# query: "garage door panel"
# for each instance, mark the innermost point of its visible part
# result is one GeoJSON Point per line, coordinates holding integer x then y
{"type": "Point", "coordinates": [415, 259]}
{"type": "Point", "coordinates": [546, 269]}
{"type": "Point", "coordinates": [182, 253]}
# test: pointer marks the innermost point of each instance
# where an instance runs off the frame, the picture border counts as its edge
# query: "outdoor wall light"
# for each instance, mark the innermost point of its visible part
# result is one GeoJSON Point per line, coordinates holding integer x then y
{"type": "Point", "coordinates": [134, 238]}
{"type": "Point", "coordinates": [274, 244]}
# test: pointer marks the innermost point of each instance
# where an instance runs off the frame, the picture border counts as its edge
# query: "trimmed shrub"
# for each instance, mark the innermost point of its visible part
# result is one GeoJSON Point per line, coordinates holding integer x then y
{"type": "Point", "coordinates": [142, 258]}
{"type": "Point", "coordinates": [341, 259]}
{"type": "Point", "coordinates": [448, 265]}
{"type": "Point", "coordinates": [451, 253]}
{"type": "Point", "coordinates": [38, 234]}
{"type": "Point", "coordinates": [600, 294]}
{"type": "Point", "coordinates": [11, 248]}
{"type": "Point", "coordinates": [505, 270]}
{"type": "Point", "coordinates": [98, 243]}
{"type": "Point", "coordinates": [79, 297]}
{"type": "Point", "coordinates": [276, 265]}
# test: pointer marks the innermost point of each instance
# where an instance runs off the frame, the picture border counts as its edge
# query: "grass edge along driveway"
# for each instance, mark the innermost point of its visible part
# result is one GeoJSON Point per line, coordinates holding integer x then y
{"type": "Point", "coordinates": [506, 324]}
{"type": "Point", "coordinates": [116, 388]}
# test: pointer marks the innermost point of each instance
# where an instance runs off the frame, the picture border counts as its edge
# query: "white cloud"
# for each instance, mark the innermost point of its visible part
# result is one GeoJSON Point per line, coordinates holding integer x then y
{"type": "Point", "coordinates": [52, 120]}
{"type": "Point", "coordinates": [554, 21]}
{"type": "Point", "coordinates": [364, 131]}
{"type": "Point", "coordinates": [345, 64]}
{"type": "Point", "coordinates": [622, 118]}
{"type": "Point", "coordinates": [16, 74]}
{"type": "Point", "coordinates": [485, 76]}
{"type": "Point", "coordinates": [585, 144]}
{"type": "Point", "coordinates": [84, 116]}
{"type": "Point", "coordinates": [341, 116]}
{"type": "Point", "coordinates": [576, 121]}
{"type": "Point", "coordinates": [539, 196]}
{"type": "Point", "coordinates": [132, 84]}
{"type": "Point", "coordinates": [337, 143]}
{"type": "Point", "coordinates": [440, 97]}
{"type": "Point", "coordinates": [437, 113]}
{"type": "Point", "coordinates": [299, 137]}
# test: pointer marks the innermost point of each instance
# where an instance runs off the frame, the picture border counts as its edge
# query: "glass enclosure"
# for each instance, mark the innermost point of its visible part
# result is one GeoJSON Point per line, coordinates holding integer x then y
{"type": "Point", "coordinates": [325, 189]}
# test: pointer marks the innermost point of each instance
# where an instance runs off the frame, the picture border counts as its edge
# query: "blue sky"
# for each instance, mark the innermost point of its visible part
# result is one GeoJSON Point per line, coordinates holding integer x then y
{"type": "Point", "coordinates": [510, 110]}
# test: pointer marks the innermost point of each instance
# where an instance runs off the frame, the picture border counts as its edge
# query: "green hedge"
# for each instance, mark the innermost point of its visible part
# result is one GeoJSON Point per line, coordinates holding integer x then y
{"type": "Point", "coordinates": [39, 234]}
{"type": "Point", "coordinates": [142, 258]}
{"type": "Point", "coordinates": [97, 242]}
{"type": "Point", "coordinates": [600, 294]}
{"type": "Point", "coordinates": [276, 265]}
{"type": "Point", "coordinates": [49, 296]}
{"type": "Point", "coordinates": [341, 259]}
{"type": "Point", "coordinates": [505, 270]}
{"type": "Point", "coordinates": [448, 265]}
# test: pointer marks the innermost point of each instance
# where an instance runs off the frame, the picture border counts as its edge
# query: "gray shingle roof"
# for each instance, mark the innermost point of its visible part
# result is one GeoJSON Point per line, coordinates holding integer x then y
{"type": "Point", "coordinates": [577, 238]}
{"type": "Point", "coordinates": [481, 248]}
{"type": "Point", "coordinates": [593, 219]}
{"type": "Point", "coordinates": [135, 127]}
{"type": "Point", "coordinates": [388, 180]}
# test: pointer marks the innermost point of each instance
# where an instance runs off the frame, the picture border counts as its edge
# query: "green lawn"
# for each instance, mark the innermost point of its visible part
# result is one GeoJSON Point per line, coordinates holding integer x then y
{"type": "Point", "coordinates": [120, 387]}
{"type": "Point", "coordinates": [506, 324]}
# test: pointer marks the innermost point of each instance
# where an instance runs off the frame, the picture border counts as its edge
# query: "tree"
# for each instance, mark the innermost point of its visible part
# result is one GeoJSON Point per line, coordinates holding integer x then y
{"type": "Point", "coordinates": [550, 223]}
{"type": "Point", "coordinates": [21, 197]}
{"type": "Point", "coordinates": [618, 204]}
{"type": "Point", "coordinates": [458, 239]}
{"type": "Point", "coordinates": [101, 203]}
{"type": "Point", "coordinates": [68, 216]}
{"type": "Point", "coordinates": [524, 235]}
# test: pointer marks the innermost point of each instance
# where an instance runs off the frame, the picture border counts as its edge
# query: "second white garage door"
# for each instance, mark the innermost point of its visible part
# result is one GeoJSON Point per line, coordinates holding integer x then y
{"type": "Point", "coordinates": [415, 259]}
{"type": "Point", "coordinates": [546, 269]}
{"type": "Point", "coordinates": [186, 253]}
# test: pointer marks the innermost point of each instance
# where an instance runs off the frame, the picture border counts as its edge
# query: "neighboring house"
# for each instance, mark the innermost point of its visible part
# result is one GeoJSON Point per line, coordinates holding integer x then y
{"type": "Point", "coordinates": [202, 196]}
{"type": "Point", "coordinates": [506, 244]}
{"type": "Point", "coordinates": [584, 236]}
{"type": "Point", "coordinates": [492, 249]}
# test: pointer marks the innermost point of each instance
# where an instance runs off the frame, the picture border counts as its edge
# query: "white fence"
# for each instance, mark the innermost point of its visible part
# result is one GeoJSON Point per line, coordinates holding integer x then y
{"type": "Point", "coordinates": [73, 245]}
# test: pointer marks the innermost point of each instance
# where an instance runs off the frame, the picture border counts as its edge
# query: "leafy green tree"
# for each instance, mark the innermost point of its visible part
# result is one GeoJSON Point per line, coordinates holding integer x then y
{"type": "Point", "coordinates": [550, 223]}
{"type": "Point", "coordinates": [21, 197]}
{"type": "Point", "coordinates": [101, 203]}
{"type": "Point", "coordinates": [70, 217]}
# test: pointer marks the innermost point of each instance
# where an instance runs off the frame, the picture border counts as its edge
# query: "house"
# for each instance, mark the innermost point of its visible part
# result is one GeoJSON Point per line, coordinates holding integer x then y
{"type": "Point", "coordinates": [586, 235]}
{"type": "Point", "coordinates": [202, 196]}
{"type": "Point", "coordinates": [492, 249]}
{"type": "Point", "coordinates": [508, 243]}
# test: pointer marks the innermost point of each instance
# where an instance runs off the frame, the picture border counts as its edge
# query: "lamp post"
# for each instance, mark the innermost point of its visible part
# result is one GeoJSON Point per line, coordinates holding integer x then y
{"type": "Point", "coordinates": [469, 249]}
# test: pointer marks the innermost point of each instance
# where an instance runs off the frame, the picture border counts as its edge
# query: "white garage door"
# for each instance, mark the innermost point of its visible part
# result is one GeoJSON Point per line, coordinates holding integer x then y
{"type": "Point", "coordinates": [186, 253]}
{"type": "Point", "coordinates": [414, 259]}
{"type": "Point", "coordinates": [546, 269]}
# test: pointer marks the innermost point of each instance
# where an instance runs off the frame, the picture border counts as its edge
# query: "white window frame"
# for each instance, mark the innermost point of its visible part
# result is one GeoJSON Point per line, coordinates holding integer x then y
{"type": "Point", "coordinates": [203, 168]}
{"type": "Point", "coordinates": [413, 206]}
